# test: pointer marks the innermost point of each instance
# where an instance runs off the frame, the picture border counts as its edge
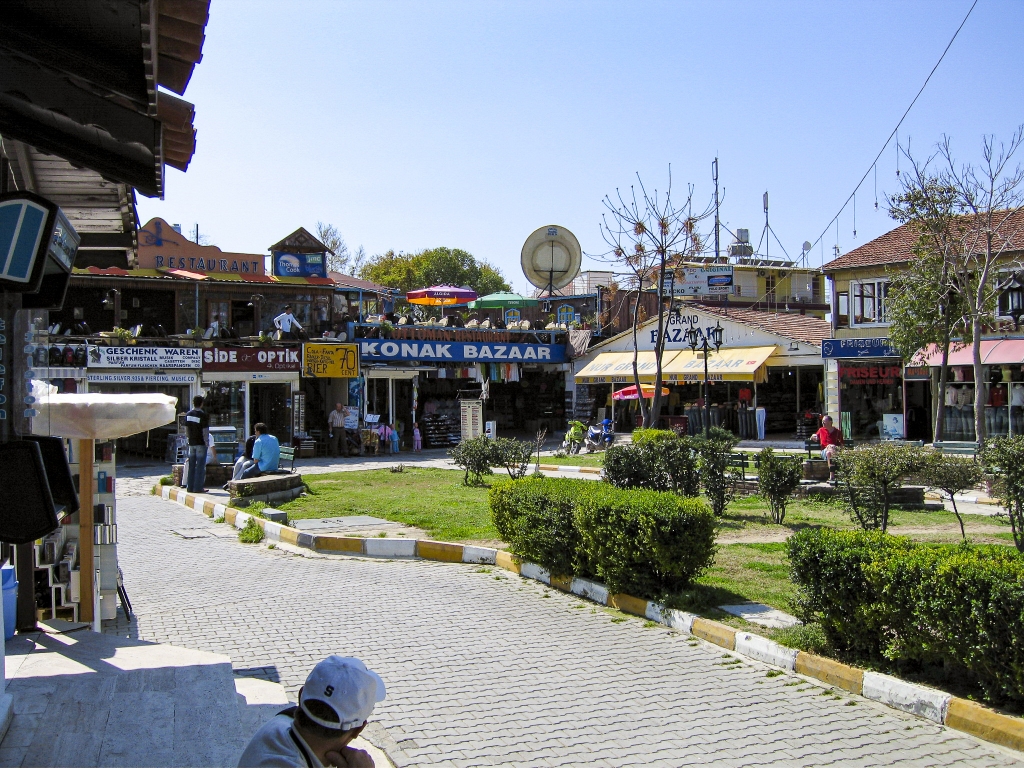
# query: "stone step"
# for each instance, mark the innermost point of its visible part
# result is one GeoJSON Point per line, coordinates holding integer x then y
{"type": "Point", "coordinates": [82, 698]}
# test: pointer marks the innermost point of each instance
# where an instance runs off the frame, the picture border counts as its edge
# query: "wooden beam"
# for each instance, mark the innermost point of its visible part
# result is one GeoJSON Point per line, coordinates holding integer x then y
{"type": "Point", "coordinates": [86, 576]}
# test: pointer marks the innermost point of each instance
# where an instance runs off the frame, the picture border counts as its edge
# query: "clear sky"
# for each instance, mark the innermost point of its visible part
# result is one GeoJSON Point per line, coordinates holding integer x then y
{"type": "Point", "coordinates": [470, 124]}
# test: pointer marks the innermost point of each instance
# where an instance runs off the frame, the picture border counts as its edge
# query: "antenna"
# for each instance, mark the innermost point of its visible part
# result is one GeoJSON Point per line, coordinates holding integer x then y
{"type": "Point", "coordinates": [765, 198]}
{"type": "Point", "coordinates": [551, 258]}
{"type": "Point", "coordinates": [714, 175]}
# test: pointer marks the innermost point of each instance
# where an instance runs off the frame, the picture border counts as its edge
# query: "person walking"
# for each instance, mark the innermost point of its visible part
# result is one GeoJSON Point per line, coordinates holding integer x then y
{"type": "Point", "coordinates": [286, 323]}
{"type": "Point", "coordinates": [197, 428]}
{"type": "Point", "coordinates": [336, 422]}
{"type": "Point", "coordinates": [417, 438]}
{"type": "Point", "coordinates": [334, 706]}
{"type": "Point", "coordinates": [266, 453]}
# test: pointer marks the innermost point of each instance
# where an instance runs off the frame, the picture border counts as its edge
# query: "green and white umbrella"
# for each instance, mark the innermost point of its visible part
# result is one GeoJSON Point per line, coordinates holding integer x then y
{"type": "Point", "coordinates": [501, 300]}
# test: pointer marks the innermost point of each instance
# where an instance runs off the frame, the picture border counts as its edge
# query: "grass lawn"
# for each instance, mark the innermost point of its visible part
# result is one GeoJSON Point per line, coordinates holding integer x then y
{"type": "Point", "coordinates": [432, 499]}
{"type": "Point", "coordinates": [579, 460]}
{"type": "Point", "coordinates": [758, 572]}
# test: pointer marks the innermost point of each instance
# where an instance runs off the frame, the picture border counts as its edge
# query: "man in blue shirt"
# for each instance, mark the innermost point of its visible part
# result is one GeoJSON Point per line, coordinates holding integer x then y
{"type": "Point", "coordinates": [266, 453]}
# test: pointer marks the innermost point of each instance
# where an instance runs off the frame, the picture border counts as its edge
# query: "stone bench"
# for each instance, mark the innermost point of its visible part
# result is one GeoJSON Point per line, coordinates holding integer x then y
{"type": "Point", "coordinates": [216, 474]}
{"type": "Point", "coordinates": [271, 489]}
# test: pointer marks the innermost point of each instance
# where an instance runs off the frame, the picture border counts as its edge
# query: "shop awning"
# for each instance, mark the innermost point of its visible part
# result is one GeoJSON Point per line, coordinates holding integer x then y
{"type": "Point", "coordinates": [736, 364]}
{"type": "Point", "coordinates": [617, 367]}
{"type": "Point", "coordinates": [993, 352]}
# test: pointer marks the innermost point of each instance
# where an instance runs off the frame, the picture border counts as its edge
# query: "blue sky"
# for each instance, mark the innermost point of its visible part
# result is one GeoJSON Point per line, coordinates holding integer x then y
{"type": "Point", "coordinates": [470, 124]}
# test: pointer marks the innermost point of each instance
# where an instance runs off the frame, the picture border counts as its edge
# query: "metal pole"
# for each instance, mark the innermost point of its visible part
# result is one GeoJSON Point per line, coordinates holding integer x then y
{"type": "Point", "coordinates": [714, 174]}
{"type": "Point", "coordinates": [707, 394]}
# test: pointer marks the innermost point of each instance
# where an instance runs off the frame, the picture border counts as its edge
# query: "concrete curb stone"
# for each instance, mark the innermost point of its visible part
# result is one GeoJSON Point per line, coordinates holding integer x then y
{"type": "Point", "coordinates": [928, 703]}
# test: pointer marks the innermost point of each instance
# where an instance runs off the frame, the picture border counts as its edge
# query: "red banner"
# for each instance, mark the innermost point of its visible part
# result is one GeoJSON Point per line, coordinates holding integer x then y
{"type": "Point", "coordinates": [252, 359]}
{"type": "Point", "coordinates": [870, 374]}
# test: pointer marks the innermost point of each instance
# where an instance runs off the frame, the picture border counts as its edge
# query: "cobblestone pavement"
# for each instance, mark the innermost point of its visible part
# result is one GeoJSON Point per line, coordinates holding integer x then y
{"type": "Point", "coordinates": [484, 668]}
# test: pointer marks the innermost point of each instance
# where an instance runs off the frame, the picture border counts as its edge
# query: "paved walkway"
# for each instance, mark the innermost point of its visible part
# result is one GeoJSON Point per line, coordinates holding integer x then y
{"type": "Point", "coordinates": [484, 668]}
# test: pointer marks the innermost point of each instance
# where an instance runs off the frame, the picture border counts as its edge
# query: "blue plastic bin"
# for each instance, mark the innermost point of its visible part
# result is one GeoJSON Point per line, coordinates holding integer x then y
{"type": "Point", "coordinates": [10, 589]}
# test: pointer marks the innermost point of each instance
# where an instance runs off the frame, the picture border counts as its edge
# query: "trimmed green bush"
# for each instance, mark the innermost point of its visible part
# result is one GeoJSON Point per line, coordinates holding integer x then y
{"type": "Point", "coordinates": [535, 517]}
{"type": "Point", "coordinates": [870, 476]}
{"type": "Point", "coordinates": [716, 476]}
{"type": "Point", "coordinates": [834, 591]}
{"type": "Point", "coordinates": [637, 466]}
{"type": "Point", "coordinates": [641, 435]}
{"type": "Point", "coordinates": [1005, 457]}
{"type": "Point", "coordinates": [474, 456]}
{"type": "Point", "coordinates": [645, 543]}
{"type": "Point", "coordinates": [513, 455]}
{"type": "Point", "coordinates": [961, 606]}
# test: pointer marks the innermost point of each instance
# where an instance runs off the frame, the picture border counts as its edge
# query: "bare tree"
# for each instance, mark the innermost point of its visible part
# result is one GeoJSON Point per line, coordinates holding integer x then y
{"type": "Point", "coordinates": [990, 196]}
{"type": "Point", "coordinates": [651, 237]}
{"type": "Point", "coordinates": [338, 256]}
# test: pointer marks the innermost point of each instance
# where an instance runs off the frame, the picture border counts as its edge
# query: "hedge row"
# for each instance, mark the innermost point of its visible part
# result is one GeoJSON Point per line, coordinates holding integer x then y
{"type": "Point", "coordinates": [643, 543]}
{"type": "Point", "coordinates": [881, 595]}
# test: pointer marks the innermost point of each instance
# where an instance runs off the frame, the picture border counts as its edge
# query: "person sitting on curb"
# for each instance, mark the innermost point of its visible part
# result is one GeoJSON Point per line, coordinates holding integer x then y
{"type": "Point", "coordinates": [243, 460]}
{"type": "Point", "coordinates": [831, 440]}
{"type": "Point", "coordinates": [334, 705]}
{"type": "Point", "coordinates": [266, 453]}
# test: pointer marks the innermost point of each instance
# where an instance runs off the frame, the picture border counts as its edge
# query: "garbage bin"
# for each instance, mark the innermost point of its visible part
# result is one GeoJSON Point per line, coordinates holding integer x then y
{"type": "Point", "coordinates": [10, 589]}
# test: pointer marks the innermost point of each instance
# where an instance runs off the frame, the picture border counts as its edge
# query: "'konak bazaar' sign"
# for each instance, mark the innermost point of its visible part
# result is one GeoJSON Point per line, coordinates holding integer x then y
{"type": "Point", "coordinates": [144, 357]}
{"type": "Point", "coordinates": [245, 359]}
{"type": "Point", "coordinates": [862, 375]}
{"type": "Point", "coordinates": [458, 351]}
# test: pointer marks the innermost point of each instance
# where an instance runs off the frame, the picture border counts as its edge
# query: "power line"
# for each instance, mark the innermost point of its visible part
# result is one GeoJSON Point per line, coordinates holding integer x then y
{"type": "Point", "coordinates": [897, 128]}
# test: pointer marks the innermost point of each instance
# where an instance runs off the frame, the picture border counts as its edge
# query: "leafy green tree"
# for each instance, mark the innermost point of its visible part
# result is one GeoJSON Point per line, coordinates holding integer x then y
{"type": "Point", "coordinates": [434, 266]}
{"type": "Point", "coordinates": [713, 454]}
{"type": "Point", "coordinates": [1005, 456]}
{"type": "Point", "coordinates": [474, 456]}
{"type": "Point", "coordinates": [870, 476]}
{"type": "Point", "coordinates": [953, 475]}
{"type": "Point", "coordinates": [777, 477]}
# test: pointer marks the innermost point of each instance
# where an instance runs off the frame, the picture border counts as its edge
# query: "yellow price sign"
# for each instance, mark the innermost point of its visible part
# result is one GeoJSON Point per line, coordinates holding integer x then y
{"type": "Point", "coordinates": [330, 361]}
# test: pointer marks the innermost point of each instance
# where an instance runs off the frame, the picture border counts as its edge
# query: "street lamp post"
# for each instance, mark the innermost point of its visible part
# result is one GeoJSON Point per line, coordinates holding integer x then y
{"type": "Point", "coordinates": [704, 340]}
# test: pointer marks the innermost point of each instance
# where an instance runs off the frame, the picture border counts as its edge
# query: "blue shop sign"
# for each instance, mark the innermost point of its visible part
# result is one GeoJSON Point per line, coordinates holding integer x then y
{"type": "Point", "coordinates": [299, 264]}
{"type": "Point", "coordinates": [461, 352]}
{"type": "Point", "coordinates": [845, 348]}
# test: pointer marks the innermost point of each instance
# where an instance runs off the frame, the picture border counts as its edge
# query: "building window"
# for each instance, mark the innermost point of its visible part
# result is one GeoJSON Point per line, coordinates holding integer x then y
{"type": "Point", "coordinates": [770, 281]}
{"type": "Point", "coordinates": [869, 302]}
{"type": "Point", "coordinates": [816, 289]}
{"type": "Point", "coordinates": [566, 314]}
{"type": "Point", "coordinates": [1011, 300]}
{"type": "Point", "coordinates": [512, 316]}
{"type": "Point", "coordinates": [843, 310]}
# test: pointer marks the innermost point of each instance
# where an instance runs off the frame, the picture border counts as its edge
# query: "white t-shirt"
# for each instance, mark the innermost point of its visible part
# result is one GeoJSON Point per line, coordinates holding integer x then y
{"type": "Point", "coordinates": [284, 321]}
{"type": "Point", "coordinates": [276, 745]}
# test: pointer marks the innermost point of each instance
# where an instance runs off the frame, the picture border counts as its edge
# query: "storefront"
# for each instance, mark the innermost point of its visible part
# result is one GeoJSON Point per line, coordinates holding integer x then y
{"type": "Point", "coordinates": [247, 385]}
{"type": "Point", "coordinates": [871, 394]}
{"type": "Point", "coordinates": [170, 371]}
{"type": "Point", "coordinates": [522, 385]}
{"type": "Point", "coordinates": [1000, 392]}
{"type": "Point", "coordinates": [330, 375]}
{"type": "Point", "coordinates": [769, 368]}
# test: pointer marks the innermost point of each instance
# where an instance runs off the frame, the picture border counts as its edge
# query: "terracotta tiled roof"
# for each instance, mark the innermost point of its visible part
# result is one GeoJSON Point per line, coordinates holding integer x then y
{"type": "Point", "coordinates": [894, 247]}
{"type": "Point", "coordinates": [348, 281]}
{"type": "Point", "coordinates": [806, 328]}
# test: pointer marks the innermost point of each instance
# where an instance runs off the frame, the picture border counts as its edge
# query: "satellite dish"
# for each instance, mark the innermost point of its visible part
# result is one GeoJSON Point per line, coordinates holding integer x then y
{"type": "Point", "coordinates": [551, 258]}
{"type": "Point", "coordinates": [807, 246]}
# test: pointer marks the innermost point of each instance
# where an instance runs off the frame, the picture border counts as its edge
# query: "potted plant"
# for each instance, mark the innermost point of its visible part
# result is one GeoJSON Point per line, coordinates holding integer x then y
{"type": "Point", "coordinates": [385, 329]}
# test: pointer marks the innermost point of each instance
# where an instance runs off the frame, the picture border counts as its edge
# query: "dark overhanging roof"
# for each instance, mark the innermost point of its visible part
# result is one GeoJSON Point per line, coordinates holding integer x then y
{"type": "Point", "coordinates": [80, 80]}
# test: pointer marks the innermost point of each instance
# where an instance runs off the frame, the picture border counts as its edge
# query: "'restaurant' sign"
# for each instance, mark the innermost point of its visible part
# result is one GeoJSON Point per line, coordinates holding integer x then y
{"type": "Point", "coordinates": [251, 359]}
{"type": "Point", "coordinates": [330, 361]}
{"type": "Point", "coordinates": [144, 357]}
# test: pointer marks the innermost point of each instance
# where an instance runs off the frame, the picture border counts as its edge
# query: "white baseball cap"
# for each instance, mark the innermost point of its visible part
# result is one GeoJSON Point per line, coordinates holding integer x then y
{"type": "Point", "coordinates": [345, 685]}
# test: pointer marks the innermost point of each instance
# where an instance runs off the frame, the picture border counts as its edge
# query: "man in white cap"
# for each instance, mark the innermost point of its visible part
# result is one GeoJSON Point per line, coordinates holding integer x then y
{"type": "Point", "coordinates": [334, 705]}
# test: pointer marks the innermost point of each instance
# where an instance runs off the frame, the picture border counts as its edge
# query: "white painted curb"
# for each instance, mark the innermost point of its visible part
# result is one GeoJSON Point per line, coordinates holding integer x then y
{"type": "Point", "coordinates": [390, 547]}
{"type": "Point", "coordinates": [763, 649]}
{"type": "Point", "coordinates": [165, 492]}
{"type": "Point", "coordinates": [591, 590]}
{"type": "Point", "coordinates": [219, 510]}
{"type": "Point", "coordinates": [907, 697]}
{"type": "Point", "coordinates": [670, 617]}
{"type": "Point", "coordinates": [479, 555]}
{"type": "Point", "coordinates": [272, 531]}
{"type": "Point", "coordinates": [535, 572]}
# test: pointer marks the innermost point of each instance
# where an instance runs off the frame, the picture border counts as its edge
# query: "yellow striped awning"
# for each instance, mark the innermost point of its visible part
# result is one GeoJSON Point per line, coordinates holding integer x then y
{"type": "Point", "coordinates": [728, 364]}
{"type": "Point", "coordinates": [617, 367]}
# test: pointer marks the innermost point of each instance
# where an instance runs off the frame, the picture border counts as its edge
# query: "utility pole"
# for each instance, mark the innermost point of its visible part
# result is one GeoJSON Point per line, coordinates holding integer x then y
{"type": "Point", "coordinates": [767, 231]}
{"type": "Point", "coordinates": [714, 175]}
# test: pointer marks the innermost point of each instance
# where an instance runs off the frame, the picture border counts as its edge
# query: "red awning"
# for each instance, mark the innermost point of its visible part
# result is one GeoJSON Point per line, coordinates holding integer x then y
{"type": "Point", "coordinates": [993, 352]}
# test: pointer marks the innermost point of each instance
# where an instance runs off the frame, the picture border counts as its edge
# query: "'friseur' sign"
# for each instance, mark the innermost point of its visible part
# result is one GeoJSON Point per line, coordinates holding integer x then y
{"type": "Point", "coordinates": [461, 351]}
